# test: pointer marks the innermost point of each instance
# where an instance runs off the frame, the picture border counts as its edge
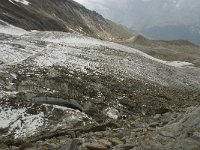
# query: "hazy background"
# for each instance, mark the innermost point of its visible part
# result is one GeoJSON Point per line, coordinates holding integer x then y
{"type": "Point", "coordinates": [159, 19]}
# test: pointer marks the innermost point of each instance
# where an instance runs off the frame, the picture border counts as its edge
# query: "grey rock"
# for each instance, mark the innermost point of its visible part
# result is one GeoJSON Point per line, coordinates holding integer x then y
{"type": "Point", "coordinates": [124, 147]}
{"type": "Point", "coordinates": [72, 145]}
{"type": "Point", "coordinates": [196, 135]}
{"type": "Point", "coordinates": [105, 143]}
{"type": "Point", "coordinates": [95, 146]}
{"type": "Point", "coordinates": [157, 116]}
{"type": "Point", "coordinates": [116, 141]}
{"type": "Point", "coordinates": [53, 146]}
{"type": "Point", "coordinates": [154, 124]}
{"type": "Point", "coordinates": [183, 132]}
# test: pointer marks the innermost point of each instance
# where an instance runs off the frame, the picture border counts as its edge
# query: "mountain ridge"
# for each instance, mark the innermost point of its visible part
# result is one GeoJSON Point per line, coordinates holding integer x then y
{"type": "Point", "coordinates": [61, 15]}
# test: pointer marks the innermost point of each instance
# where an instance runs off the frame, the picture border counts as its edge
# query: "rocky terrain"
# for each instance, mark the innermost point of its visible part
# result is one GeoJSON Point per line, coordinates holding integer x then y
{"type": "Point", "coordinates": [67, 91]}
{"type": "Point", "coordinates": [71, 91]}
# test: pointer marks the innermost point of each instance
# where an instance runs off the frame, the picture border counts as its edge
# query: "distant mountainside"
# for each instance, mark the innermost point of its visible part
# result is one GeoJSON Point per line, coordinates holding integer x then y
{"type": "Point", "coordinates": [177, 50]}
{"type": "Point", "coordinates": [159, 19]}
{"type": "Point", "coordinates": [174, 32]}
{"type": "Point", "coordinates": [60, 15]}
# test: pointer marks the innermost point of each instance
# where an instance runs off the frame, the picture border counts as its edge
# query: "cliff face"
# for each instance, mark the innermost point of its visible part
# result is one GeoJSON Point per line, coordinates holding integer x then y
{"type": "Point", "coordinates": [60, 15]}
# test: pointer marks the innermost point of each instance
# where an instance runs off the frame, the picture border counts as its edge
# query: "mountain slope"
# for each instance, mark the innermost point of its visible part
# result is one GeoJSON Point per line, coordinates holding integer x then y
{"type": "Point", "coordinates": [174, 32]}
{"type": "Point", "coordinates": [177, 50]}
{"type": "Point", "coordinates": [60, 15]}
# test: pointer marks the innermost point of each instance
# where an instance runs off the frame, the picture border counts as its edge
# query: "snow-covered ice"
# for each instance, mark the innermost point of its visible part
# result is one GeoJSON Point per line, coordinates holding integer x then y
{"type": "Point", "coordinates": [81, 41]}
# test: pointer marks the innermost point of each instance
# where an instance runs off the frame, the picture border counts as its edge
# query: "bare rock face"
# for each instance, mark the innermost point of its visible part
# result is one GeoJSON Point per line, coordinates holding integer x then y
{"type": "Point", "coordinates": [95, 146]}
{"type": "Point", "coordinates": [185, 130]}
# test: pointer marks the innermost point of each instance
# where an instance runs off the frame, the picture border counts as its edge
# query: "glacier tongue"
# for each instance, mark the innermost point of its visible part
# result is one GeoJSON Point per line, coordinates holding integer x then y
{"type": "Point", "coordinates": [102, 77]}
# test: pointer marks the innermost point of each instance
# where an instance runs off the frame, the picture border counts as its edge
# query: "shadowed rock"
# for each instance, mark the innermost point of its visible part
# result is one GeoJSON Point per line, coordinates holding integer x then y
{"type": "Point", "coordinates": [58, 101]}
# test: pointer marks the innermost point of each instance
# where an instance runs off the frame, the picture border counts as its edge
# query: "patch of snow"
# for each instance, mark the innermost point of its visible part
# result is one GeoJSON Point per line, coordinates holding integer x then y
{"type": "Point", "coordinates": [27, 125]}
{"type": "Point", "coordinates": [6, 93]}
{"type": "Point", "coordinates": [179, 63]}
{"type": "Point", "coordinates": [25, 2]}
{"type": "Point", "coordinates": [73, 114]}
{"type": "Point", "coordinates": [65, 56]}
{"type": "Point", "coordinates": [9, 116]}
{"type": "Point", "coordinates": [68, 38]}
{"type": "Point", "coordinates": [19, 122]}
{"type": "Point", "coordinates": [14, 75]}
{"type": "Point", "coordinates": [12, 30]}
{"type": "Point", "coordinates": [80, 29]}
{"type": "Point", "coordinates": [101, 27]}
{"type": "Point", "coordinates": [9, 54]}
{"type": "Point", "coordinates": [2, 94]}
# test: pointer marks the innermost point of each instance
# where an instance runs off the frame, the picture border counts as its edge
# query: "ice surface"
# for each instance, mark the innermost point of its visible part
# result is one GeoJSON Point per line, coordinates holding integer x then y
{"type": "Point", "coordinates": [81, 41]}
